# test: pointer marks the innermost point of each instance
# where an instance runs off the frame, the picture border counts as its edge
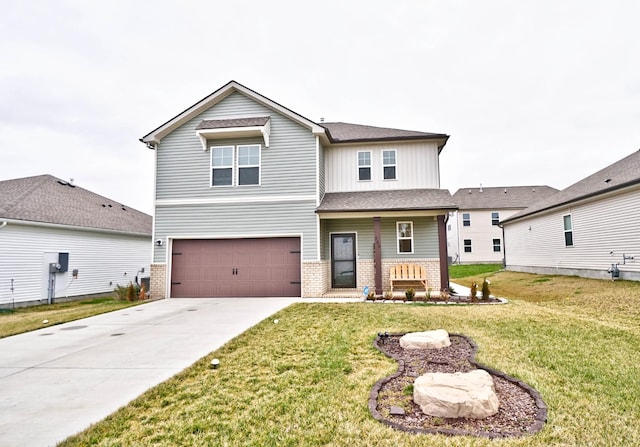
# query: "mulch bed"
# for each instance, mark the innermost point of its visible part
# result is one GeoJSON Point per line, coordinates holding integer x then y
{"type": "Point", "coordinates": [522, 410]}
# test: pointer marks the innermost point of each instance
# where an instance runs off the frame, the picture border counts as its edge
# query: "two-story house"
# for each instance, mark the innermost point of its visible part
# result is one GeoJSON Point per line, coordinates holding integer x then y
{"type": "Point", "coordinates": [473, 233]}
{"type": "Point", "coordinates": [253, 199]}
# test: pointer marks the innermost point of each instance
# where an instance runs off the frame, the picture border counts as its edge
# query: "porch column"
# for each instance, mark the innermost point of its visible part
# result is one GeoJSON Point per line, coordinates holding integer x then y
{"type": "Point", "coordinates": [442, 249]}
{"type": "Point", "coordinates": [377, 256]}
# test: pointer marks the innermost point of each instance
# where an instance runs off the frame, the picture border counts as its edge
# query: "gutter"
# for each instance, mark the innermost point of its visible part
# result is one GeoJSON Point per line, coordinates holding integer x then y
{"type": "Point", "coordinates": [3, 224]}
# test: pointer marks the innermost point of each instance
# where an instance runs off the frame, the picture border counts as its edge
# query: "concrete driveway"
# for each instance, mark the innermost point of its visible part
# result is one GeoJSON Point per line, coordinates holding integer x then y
{"type": "Point", "coordinates": [56, 381]}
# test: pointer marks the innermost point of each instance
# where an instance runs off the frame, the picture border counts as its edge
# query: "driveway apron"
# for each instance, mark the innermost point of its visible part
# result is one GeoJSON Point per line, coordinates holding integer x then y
{"type": "Point", "coordinates": [56, 381]}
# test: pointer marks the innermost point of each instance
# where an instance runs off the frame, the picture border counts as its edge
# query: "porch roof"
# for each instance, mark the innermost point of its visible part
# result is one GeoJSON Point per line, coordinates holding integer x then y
{"type": "Point", "coordinates": [386, 201]}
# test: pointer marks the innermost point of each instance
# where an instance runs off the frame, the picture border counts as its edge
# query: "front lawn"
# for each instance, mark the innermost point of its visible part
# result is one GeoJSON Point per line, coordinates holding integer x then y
{"type": "Point", "coordinates": [25, 319]}
{"type": "Point", "coordinates": [479, 270]}
{"type": "Point", "coordinates": [305, 380]}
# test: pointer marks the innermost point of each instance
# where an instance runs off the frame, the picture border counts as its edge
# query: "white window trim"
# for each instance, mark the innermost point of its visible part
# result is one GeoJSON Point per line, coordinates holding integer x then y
{"type": "Point", "coordinates": [463, 219]}
{"type": "Point", "coordinates": [564, 234]}
{"type": "Point", "coordinates": [395, 165]}
{"type": "Point", "coordinates": [259, 165]}
{"type": "Point", "coordinates": [498, 217]}
{"type": "Point", "coordinates": [211, 167]}
{"type": "Point", "coordinates": [464, 246]}
{"type": "Point", "coordinates": [235, 166]}
{"type": "Point", "coordinates": [398, 238]}
{"type": "Point", "coordinates": [358, 166]}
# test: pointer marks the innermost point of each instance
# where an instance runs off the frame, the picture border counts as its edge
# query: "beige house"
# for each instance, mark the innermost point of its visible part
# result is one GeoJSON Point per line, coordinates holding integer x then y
{"type": "Point", "coordinates": [473, 232]}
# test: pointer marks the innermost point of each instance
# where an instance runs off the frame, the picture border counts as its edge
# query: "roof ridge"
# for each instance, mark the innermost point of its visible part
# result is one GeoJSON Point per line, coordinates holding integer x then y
{"type": "Point", "coordinates": [27, 192]}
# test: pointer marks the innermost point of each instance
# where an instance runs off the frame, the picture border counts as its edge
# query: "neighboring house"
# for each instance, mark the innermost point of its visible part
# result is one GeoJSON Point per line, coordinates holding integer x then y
{"type": "Point", "coordinates": [473, 232]}
{"type": "Point", "coordinates": [253, 199]}
{"type": "Point", "coordinates": [583, 230]}
{"type": "Point", "coordinates": [58, 241]}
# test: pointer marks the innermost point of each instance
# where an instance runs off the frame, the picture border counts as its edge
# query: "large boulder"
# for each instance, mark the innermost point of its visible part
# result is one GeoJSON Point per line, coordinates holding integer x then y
{"type": "Point", "coordinates": [457, 395]}
{"type": "Point", "coordinates": [426, 340]}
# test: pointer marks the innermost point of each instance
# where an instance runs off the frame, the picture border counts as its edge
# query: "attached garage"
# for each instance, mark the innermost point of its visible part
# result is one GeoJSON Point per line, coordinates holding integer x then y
{"type": "Point", "coordinates": [215, 268]}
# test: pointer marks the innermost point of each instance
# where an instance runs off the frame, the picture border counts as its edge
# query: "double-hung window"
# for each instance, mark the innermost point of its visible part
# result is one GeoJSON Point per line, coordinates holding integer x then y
{"type": "Point", "coordinates": [467, 245]}
{"type": "Point", "coordinates": [364, 166]}
{"type": "Point", "coordinates": [568, 231]}
{"type": "Point", "coordinates": [235, 165]}
{"type": "Point", "coordinates": [495, 218]}
{"type": "Point", "coordinates": [496, 246]}
{"type": "Point", "coordinates": [389, 165]}
{"type": "Point", "coordinates": [466, 219]}
{"type": "Point", "coordinates": [405, 237]}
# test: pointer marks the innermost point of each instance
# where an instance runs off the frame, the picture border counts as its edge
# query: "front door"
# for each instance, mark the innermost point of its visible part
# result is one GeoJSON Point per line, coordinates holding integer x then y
{"type": "Point", "coordinates": [343, 260]}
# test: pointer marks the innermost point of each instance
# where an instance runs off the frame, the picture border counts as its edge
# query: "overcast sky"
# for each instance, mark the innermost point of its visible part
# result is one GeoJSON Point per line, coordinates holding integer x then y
{"type": "Point", "coordinates": [531, 93]}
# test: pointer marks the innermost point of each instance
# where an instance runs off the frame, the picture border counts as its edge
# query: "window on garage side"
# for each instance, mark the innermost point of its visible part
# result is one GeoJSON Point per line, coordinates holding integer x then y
{"type": "Point", "coordinates": [495, 218]}
{"type": "Point", "coordinates": [249, 165]}
{"type": "Point", "coordinates": [496, 245]}
{"type": "Point", "coordinates": [364, 165]}
{"type": "Point", "coordinates": [389, 164]}
{"type": "Point", "coordinates": [222, 166]}
{"type": "Point", "coordinates": [466, 219]}
{"type": "Point", "coordinates": [568, 231]}
{"type": "Point", "coordinates": [405, 237]}
{"type": "Point", "coordinates": [467, 245]}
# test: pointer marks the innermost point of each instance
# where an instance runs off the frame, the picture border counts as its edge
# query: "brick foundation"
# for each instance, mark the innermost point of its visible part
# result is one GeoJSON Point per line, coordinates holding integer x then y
{"type": "Point", "coordinates": [158, 281]}
{"type": "Point", "coordinates": [316, 278]}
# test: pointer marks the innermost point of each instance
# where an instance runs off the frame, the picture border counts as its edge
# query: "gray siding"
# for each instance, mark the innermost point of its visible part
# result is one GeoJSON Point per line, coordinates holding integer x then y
{"type": "Point", "coordinates": [600, 227]}
{"type": "Point", "coordinates": [103, 260]}
{"type": "Point", "coordinates": [288, 165]}
{"type": "Point", "coordinates": [238, 220]}
{"type": "Point", "coordinates": [425, 236]}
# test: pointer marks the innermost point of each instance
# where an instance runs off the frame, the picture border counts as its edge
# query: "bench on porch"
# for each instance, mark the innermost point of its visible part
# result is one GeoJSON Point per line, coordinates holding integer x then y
{"type": "Point", "coordinates": [407, 273]}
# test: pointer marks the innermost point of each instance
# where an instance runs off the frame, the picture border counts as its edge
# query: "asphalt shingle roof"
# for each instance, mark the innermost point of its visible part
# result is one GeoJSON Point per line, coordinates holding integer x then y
{"type": "Point", "coordinates": [47, 199]}
{"type": "Point", "coordinates": [235, 122]}
{"type": "Point", "coordinates": [503, 197]}
{"type": "Point", "coordinates": [621, 174]}
{"type": "Point", "coordinates": [393, 200]}
{"type": "Point", "coordinates": [350, 133]}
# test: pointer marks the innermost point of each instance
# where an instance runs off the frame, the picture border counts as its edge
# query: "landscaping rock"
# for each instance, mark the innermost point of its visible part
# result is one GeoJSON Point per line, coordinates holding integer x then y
{"type": "Point", "coordinates": [426, 340]}
{"type": "Point", "coordinates": [458, 395]}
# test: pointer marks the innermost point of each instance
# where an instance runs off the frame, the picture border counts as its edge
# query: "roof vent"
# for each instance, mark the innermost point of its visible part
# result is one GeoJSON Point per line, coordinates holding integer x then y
{"type": "Point", "coordinates": [505, 190]}
{"type": "Point", "coordinates": [607, 180]}
{"type": "Point", "coordinates": [481, 188]}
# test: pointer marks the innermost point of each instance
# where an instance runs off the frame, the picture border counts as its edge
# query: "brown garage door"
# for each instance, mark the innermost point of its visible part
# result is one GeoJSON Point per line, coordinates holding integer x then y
{"type": "Point", "coordinates": [204, 268]}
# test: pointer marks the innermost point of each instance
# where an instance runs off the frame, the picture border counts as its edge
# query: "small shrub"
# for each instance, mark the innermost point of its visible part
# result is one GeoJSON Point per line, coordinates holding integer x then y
{"type": "Point", "coordinates": [131, 292]}
{"type": "Point", "coordinates": [408, 390]}
{"type": "Point", "coordinates": [371, 296]}
{"type": "Point", "coordinates": [143, 293]}
{"type": "Point", "coordinates": [120, 292]}
{"type": "Point", "coordinates": [485, 290]}
{"type": "Point", "coordinates": [388, 295]}
{"type": "Point", "coordinates": [410, 294]}
{"type": "Point", "coordinates": [474, 291]}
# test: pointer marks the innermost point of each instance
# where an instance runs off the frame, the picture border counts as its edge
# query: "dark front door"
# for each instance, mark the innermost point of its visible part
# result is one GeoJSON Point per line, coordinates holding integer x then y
{"type": "Point", "coordinates": [343, 260]}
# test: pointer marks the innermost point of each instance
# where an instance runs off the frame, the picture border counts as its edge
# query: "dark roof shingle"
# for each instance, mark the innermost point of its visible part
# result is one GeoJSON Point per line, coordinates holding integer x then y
{"type": "Point", "coordinates": [234, 122]}
{"type": "Point", "coordinates": [503, 197]}
{"type": "Point", "coordinates": [621, 174]}
{"type": "Point", "coordinates": [47, 199]}
{"type": "Point", "coordinates": [350, 133]}
{"type": "Point", "coordinates": [392, 200]}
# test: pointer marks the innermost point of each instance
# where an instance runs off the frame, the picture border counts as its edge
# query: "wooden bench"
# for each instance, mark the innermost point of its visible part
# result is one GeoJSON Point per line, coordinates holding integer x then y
{"type": "Point", "coordinates": [407, 273]}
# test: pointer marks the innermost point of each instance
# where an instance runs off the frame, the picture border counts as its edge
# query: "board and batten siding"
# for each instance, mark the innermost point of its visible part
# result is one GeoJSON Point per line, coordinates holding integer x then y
{"type": "Point", "coordinates": [238, 220]}
{"type": "Point", "coordinates": [288, 165]}
{"type": "Point", "coordinates": [425, 239]}
{"type": "Point", "coordinates": [103, 260]}
{"type": "Point", "coordinates": [600, 227]}
{"type": "Point", "coordinates": [417, 166]}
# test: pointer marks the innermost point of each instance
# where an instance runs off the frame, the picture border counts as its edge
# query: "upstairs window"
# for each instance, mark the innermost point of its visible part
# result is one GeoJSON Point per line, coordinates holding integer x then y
{"type": "Point", "coordinates": [405, 237]}
{"type": "Point", "coordinates": [364, 166]}
{"type": "Point", "coordinates": [235, 165]}
{"type": "Point", "coordinates": [495, 218]}
{"type": "Point", "coordinates": [249, 165]}
{"type": "Point", "coordinates": [222, 166]}
{"type": "Point", "coordinates": [496, 246]}
{"type": "Point", "coordinates": [568, 231]}
{"type": "Point", "coordinates": [467, 245]}
{"type": "Point", "coordinates": [466, 219]}
{"type": "Point", "coordinates": [389, 164]}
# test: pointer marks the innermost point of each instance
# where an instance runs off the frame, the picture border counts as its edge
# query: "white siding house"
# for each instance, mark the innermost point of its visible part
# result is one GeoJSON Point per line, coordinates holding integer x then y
{"type": "Point", "coordinates": [254, 199]}
{"type": "Point", "coordinates": [473, 232]}
{"type": "Point", "coordinates": [587, 229]}
{"type": "Point", "coordinates": [46, 222]}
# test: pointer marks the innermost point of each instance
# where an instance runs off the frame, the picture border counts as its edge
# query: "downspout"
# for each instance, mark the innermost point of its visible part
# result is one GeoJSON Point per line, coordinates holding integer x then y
{"type": "Point", "coordinates": [504, 247]}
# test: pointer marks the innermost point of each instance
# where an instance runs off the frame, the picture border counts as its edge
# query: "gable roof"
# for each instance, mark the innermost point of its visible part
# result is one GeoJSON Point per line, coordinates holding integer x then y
{"type": "Point", "coordinates": [501, 197]}
{"type": "Point", "coordinates": [349, 133]}
{"type": "Point", "coordinates": [153, 138]}
{"type": "Point", "coordinates": [619, 175]}
{"type": "Point", "coordinates": [49, 200]}
{"type": "Point", "coordinates": [330, 132]}
{"type": "Point", "coordinates": [390, 200]}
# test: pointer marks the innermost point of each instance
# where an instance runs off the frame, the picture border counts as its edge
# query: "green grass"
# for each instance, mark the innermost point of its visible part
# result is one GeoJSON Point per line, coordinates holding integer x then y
{"type": "Point", "coordinates": [467, 270]}
{"type": "Point", "coordinates": [25, 319]}
{"type": "Point", "coordinates": [306, 380]}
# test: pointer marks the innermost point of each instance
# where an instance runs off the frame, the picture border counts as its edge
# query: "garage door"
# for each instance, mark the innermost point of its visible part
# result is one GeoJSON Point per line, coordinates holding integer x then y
{"type": "Point", "coordinates": [235, 267]}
